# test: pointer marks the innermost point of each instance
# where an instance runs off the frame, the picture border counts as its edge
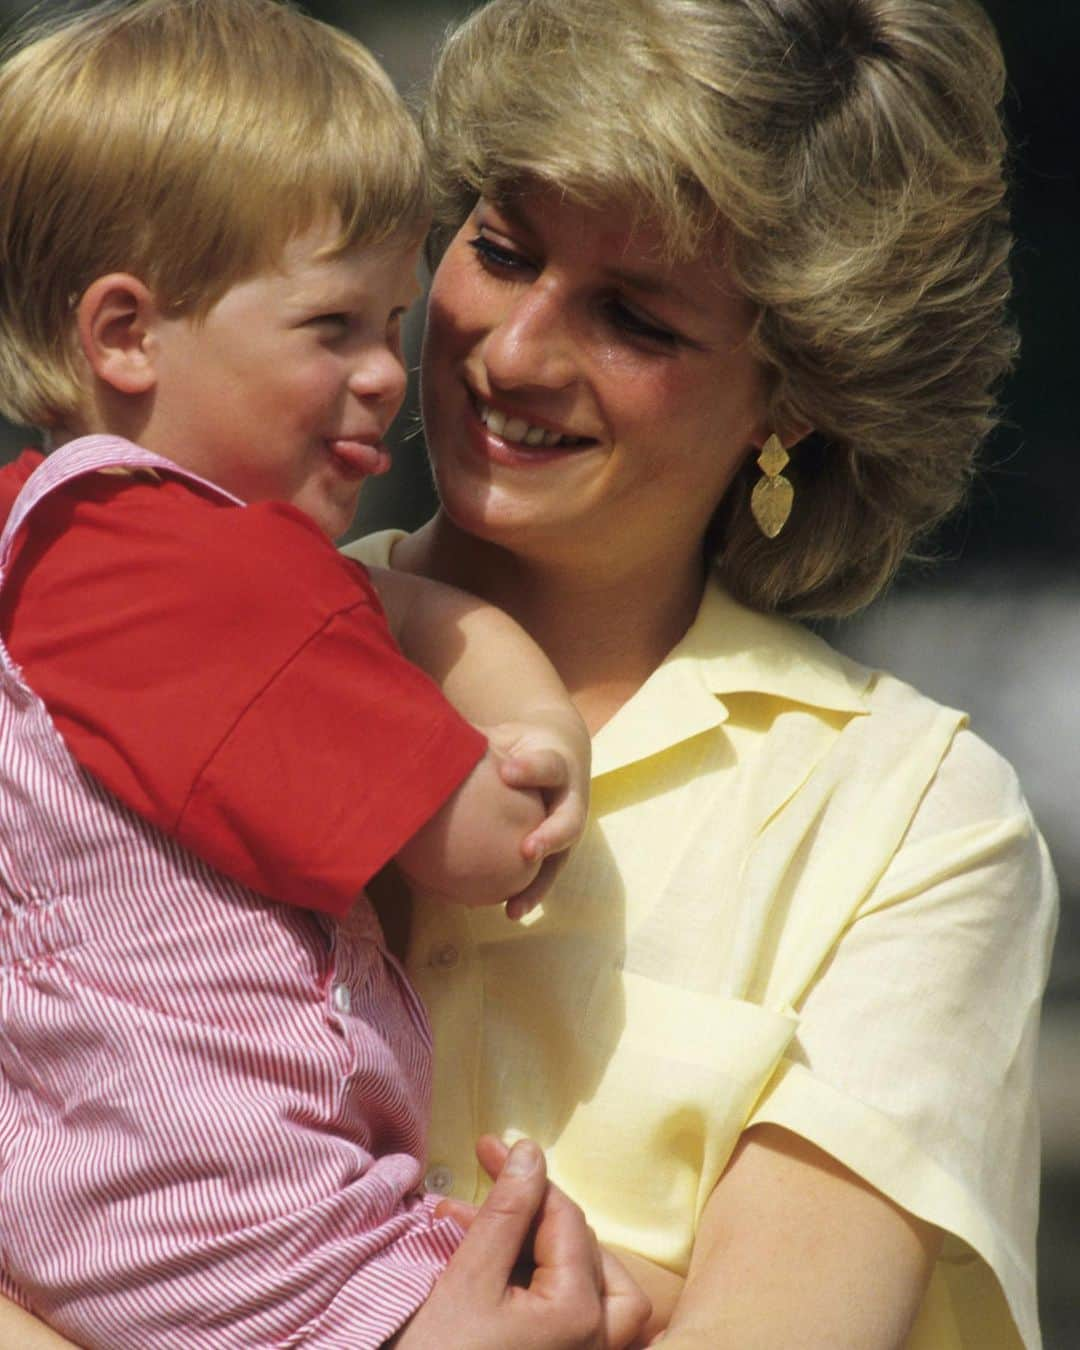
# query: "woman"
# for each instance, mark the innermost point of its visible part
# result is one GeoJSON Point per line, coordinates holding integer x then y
{"type": "Point", "coordinates": [776, 1024]}
{"type": "Point", "coordinates": [713, 337]}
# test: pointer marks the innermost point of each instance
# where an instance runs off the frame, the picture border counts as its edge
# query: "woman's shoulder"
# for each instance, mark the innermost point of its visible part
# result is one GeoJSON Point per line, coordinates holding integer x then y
{"type": "Point", "coordinates": [768, 655]}
{"type": "Point", "coordinates": [885, 726]}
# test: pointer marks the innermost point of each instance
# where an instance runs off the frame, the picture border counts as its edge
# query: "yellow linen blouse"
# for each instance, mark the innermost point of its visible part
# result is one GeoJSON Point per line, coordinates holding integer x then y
{"type": "Point", "coordinates": [807, 896]}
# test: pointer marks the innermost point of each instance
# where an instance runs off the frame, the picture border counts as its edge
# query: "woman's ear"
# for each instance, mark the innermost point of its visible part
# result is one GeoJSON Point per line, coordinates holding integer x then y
{"type": "Point", "coordinates": [115, 319]}
{"type": "Point", "coordinates": [793, 435]}
{"type": "Point", "coordinates": [789, 437]}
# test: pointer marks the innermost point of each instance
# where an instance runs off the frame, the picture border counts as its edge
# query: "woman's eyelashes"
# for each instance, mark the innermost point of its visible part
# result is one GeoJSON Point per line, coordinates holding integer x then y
{"type": "Point", "coordinates": [630, 321]}
{"type": "Point", "coordinates": [495, 256]}
{"type": "Point", "coordinates": [623, 317]}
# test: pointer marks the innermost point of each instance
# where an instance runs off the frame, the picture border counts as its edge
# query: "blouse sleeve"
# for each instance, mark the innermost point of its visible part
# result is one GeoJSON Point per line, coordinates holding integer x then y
{"type": "Point", "coordinates": [915, 1059]}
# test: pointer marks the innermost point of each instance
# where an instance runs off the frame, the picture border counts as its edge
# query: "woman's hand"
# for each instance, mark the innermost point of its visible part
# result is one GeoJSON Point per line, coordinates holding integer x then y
{"type": "Point", "coordinates": [551, 754]}
{"type": "Point", "coordinates": [661, 1288]}
{"type": "Point", "coordinates": [575, 1298]}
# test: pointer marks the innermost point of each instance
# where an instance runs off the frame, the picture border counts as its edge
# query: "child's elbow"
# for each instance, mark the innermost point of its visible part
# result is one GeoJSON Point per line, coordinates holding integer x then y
{"type": "Point", "coordinates": [471, 851]}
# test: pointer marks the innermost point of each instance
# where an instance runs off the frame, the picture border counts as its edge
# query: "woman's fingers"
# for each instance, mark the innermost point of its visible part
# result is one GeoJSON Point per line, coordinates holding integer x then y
{"type": "Point", "coordinates": [460, 1211]}
{"type": "Point", "coordinates": [498, 1230]}
{"type": "Point", "coordinates": [626, 1307]}
{"type": "Point", "coordinates": [563, 1238]}
{"type": "Point", "coordinates": [492, 1154]}
{"type": "Point", "coordinates": [566, 1264]}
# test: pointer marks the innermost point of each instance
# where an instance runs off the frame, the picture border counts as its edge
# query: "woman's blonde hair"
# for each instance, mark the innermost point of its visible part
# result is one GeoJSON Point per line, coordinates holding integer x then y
{"type": "Point", "coordinates": [849, 153]}
{"type": "Point", "coordinates": [185, 141]}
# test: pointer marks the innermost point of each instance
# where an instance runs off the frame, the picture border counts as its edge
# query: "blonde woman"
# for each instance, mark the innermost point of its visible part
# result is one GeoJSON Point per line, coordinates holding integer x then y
{"type": "Point", "coordinates": [713, 337]}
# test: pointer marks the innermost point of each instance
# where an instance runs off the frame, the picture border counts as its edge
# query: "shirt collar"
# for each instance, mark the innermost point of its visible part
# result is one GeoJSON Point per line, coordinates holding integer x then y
{"type": "Point", "coordinates": [728, 649]}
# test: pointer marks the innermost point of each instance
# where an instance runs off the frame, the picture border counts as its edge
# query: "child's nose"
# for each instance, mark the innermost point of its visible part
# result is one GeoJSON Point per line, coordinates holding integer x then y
{"type": "Point", "coordinates": [379, 376]}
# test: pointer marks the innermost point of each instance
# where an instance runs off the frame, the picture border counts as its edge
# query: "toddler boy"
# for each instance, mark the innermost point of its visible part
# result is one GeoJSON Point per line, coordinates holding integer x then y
{"type": "Point", "coordinates": [213, 1078]}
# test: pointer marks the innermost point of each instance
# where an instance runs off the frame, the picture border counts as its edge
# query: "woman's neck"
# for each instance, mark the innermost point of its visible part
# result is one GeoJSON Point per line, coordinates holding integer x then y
{"type": "Point", "coordinates": [604, 633]}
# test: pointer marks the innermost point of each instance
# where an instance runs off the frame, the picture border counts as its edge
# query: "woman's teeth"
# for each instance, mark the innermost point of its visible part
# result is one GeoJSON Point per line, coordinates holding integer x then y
{"type": "Point", "coordinates": [517, 430]}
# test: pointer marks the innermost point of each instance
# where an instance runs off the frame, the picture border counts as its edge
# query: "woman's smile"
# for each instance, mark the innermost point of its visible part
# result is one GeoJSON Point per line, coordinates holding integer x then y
{"type": "Point", "coordinates": [521, 432]}
{"type": "Point", "coordinates": [506, 437]}
{"type": "Point", "coordinates": [561, 387]}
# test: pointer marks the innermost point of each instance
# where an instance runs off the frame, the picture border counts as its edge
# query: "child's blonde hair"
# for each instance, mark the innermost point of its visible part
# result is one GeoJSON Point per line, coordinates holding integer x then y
{"type": "Point", "coordinates": [184, 141]}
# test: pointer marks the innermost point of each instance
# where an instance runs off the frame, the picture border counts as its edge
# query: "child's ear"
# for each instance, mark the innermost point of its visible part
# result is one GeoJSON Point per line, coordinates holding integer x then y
{"type": "Point", "coordinates": [116, 318]}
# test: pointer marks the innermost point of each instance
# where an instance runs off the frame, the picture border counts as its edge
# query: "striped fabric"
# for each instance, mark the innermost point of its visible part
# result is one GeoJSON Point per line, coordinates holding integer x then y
{"type": "Point", "coordinates": [212, 1106]}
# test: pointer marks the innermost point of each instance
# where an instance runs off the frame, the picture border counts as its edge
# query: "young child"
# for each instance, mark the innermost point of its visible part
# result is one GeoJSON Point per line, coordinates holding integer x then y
{"type": "Point", "coordinates": [213, 1078]}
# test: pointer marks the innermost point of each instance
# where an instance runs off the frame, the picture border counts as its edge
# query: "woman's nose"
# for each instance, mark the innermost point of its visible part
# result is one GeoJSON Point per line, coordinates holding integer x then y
{"type": "Point", "coordinates": [532, 345]}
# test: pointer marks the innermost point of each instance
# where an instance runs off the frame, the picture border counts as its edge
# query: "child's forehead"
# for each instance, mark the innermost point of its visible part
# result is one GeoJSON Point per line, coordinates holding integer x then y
{"type": "Point", "coordinates": [325, 240]}
{"type": "Point", "coordinates": [316, 262]}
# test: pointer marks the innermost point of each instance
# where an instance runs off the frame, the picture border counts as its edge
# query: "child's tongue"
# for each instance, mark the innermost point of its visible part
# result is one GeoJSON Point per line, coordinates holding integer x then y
{"type": "Point", "coordinates": [361, 458]}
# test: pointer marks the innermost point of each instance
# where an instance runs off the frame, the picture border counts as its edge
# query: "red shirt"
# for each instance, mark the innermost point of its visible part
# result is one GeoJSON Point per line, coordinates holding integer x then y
{"type": "Point", "coordinates": [213, 1106]}
{"type": "Point", "coordinates": [227, 674]}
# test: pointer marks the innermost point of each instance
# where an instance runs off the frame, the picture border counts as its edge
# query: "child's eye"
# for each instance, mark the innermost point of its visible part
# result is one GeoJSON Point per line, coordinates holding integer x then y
{"type": "Point", "coordinates": [495, 255]}
{"type": "Point", "coordinates": [333, 320]}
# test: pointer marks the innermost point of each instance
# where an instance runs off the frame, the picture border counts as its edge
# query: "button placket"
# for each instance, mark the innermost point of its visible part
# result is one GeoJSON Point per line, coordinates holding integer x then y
{"type": "Point", "coordinates": [444, 956]}
{"type": "Point", "coordinates": [439, 1179]}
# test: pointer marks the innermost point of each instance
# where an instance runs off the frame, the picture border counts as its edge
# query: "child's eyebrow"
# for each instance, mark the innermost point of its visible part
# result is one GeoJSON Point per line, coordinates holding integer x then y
{"type": "Point", "coordinates": [326, 291]}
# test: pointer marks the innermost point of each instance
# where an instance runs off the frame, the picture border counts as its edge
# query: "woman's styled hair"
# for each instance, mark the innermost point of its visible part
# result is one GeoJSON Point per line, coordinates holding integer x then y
{"type": "Point", "coordinates": [185, 141]}
{"type": "Point", "coordinates": [848, 154]}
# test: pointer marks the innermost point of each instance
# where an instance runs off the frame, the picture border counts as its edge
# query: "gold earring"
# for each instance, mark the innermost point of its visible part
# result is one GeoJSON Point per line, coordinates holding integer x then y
{"type": "Point", "coordinates": [773, 495]}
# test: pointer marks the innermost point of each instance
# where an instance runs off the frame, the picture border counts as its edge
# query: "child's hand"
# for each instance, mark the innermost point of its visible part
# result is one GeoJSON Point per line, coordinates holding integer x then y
{"type": "Point", "coordinates": [550, 754]}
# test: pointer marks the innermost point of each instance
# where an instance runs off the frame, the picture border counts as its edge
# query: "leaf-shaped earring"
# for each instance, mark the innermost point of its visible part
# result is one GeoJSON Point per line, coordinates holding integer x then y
{"type": "Point", "coordinates": [773, 495]}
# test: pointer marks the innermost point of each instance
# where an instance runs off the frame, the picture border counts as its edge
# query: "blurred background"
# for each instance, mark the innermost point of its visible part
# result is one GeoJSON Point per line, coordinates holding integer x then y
{"type": "Point", "coordinates": [993, 624]}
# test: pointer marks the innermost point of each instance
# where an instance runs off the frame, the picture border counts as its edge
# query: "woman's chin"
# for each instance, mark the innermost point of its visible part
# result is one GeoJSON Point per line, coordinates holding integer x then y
{"type": "Point", "coordinates": [497, 514]}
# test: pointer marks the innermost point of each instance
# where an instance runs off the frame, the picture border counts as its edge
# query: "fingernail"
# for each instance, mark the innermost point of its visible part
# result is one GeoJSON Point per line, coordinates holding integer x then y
{"type": "Point", "coordinates": [523, 1160]}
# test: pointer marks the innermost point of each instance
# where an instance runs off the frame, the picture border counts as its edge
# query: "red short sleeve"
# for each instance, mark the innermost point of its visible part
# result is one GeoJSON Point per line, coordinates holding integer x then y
{"type": "Point", "coordinates": [12, 477]}
{"type": "Point", "coordinates": [227, 674]}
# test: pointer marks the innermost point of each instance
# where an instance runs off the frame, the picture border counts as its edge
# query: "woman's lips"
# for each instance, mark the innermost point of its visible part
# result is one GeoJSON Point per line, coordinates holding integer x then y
{"type": "Point", "coordinates": [511, 439]}
{"type": "Point", "coordinates": [360, 459]}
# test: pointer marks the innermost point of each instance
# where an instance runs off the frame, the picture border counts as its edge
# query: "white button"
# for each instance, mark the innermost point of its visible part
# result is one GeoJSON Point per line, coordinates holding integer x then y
{"type": "Point", "coordinates": [444, 957]}
{"type": "Point", "coordinates": [341, 998]}
{"type": "Point", "coordinates": [439, 1179]}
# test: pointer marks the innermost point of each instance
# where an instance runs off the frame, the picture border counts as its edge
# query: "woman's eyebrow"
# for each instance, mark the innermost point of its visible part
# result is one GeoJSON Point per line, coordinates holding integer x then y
{"type": "Point", "coordinates": [513, 213]}
{"type": "Point", "coordinates": [646, 281]}
{"type": "Point", "coordinates": [649, 283]}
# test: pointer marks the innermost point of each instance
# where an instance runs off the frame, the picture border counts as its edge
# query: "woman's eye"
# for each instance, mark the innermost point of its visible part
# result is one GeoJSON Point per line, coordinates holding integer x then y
{"type": "Point", "coordinates": [494, 255]}
{"type": "Point", "coordinates": [637, 325]}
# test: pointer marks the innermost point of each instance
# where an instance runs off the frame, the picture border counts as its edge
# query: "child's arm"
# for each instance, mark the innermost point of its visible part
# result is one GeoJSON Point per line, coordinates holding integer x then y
{"type": "Point", "coordinates": [498, 678]}
{"type": "Point", "coordinates": [471, 851]}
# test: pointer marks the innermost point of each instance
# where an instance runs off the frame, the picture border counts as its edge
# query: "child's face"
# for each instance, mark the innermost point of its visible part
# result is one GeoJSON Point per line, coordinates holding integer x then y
{"type": "Point", "coordinates": [286, 389]}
